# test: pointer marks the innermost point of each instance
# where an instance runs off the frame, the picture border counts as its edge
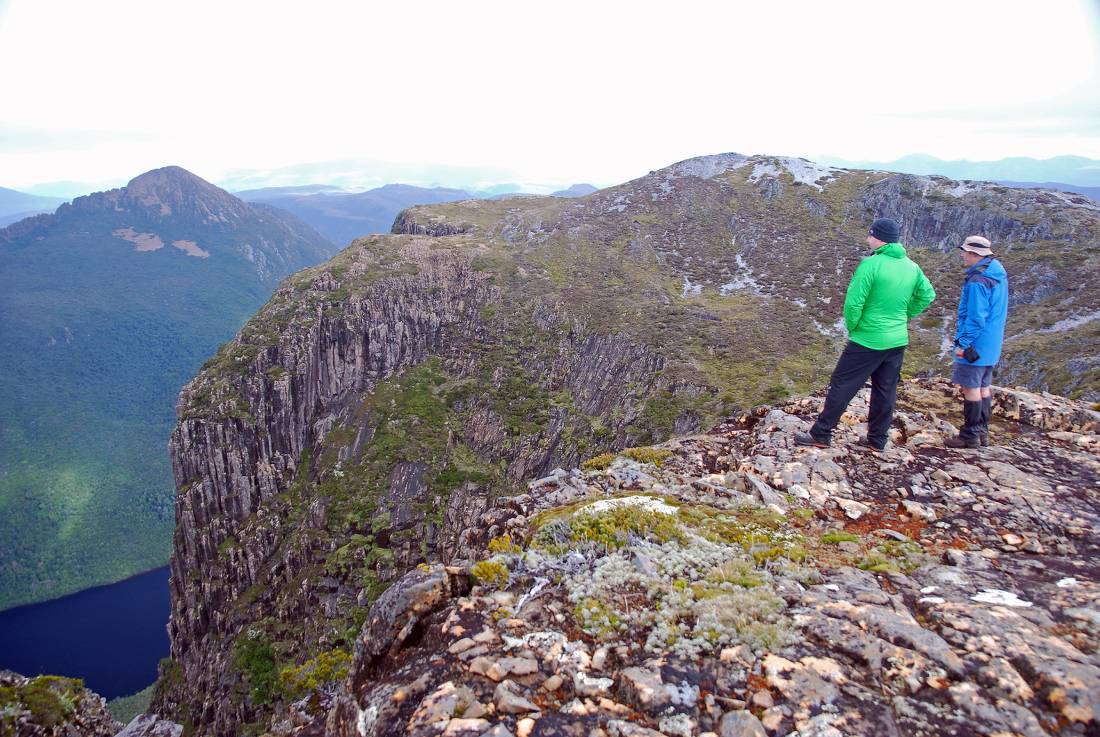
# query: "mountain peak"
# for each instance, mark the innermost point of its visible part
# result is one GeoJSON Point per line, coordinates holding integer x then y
{"type": "Point", "coordinates": [173, 189]}
{"type": "Point", "coordinates": [173, 175]}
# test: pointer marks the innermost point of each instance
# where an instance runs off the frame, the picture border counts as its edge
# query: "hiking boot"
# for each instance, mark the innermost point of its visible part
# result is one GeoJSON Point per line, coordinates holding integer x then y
{"type": "Point", "coordinates": [960, 442]}
{"type": "Point", "coordinates": [970, 436]}
{"type": "Point", "coordinates": [805, 438]}
{"type": "Point", "coordinates": [866, 442]}
{"type": "Point", "coordinates": [984, 439]}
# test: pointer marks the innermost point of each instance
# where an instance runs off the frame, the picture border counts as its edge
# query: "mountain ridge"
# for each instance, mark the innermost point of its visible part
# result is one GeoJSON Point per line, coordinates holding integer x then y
{"type": "Point", "coordinates": [380, 402]}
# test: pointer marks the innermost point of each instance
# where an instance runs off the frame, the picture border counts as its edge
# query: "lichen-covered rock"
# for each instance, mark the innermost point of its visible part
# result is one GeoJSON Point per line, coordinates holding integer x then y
{"type": "Point", "coordinates": [397, 612]}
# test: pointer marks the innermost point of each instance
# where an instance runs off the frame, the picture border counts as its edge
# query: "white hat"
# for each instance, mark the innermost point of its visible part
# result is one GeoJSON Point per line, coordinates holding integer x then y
{"type": "Point", "coordinates": [977, 244]}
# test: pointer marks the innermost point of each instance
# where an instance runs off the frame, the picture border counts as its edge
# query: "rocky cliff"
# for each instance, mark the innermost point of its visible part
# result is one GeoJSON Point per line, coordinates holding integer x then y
{"type": "Point", "coordinates": [373, 413]}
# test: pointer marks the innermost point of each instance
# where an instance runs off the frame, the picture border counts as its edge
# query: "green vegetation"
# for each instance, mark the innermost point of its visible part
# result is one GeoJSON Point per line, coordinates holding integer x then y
{"type": "Point", "coordinates": [894, 556]}
{"type": "Point", "coordinates": [738, 572]}
{"type": "Point", "coordinates": [411, 416]}
{"type": "Point", "coordinates": [254, 658]}
{"type": "Point", "coordinates": [491, 573]}
{"type": "Point", "coordinates": [656, 456]}
{"type": "Point", "coordinates": [503, 544]}
{"type": "Point", "coordinates": [838, 536]}
{"type": "Point", "coordinates": [327, 668]}
{"type": "Point", "coordinates": [610, 528]}
{"type": "Point", "coordinates": [125, 708]}
{"type": "Point", "coordinates": [51, 701]}
{"type": "Point", "coordinates": [600, 462]}
{"type": "Point", "coordinates": [703, 584]}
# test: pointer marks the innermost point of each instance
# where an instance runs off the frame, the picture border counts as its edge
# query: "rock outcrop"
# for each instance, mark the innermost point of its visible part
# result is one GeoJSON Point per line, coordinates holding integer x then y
{"type": "Point", "coordinates": [150, 725]}
{"type": "Point", "coordinates": [49, 706]}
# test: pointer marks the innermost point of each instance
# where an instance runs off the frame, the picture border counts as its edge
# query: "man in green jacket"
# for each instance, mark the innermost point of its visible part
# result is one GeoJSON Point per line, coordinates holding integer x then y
{"type": "Point", "coordinates": [887, 291]}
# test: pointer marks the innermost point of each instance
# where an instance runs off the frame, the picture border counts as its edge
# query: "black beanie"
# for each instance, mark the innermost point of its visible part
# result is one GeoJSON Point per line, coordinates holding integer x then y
{"type": "Point", "coordinates": [886, 230]}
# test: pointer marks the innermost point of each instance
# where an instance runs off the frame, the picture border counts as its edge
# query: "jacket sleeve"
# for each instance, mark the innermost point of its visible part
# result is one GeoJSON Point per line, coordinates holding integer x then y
{"type": "Point", "coordinates": [856, 298]}
{"type": "Point", "coordinates": [973, 313]}
{"type": "Point", "coordinates": [923, 294]}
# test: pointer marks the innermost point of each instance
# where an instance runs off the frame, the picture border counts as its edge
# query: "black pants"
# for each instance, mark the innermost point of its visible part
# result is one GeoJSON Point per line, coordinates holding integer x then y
{"type": "Point", "coordinates": [855, 366]}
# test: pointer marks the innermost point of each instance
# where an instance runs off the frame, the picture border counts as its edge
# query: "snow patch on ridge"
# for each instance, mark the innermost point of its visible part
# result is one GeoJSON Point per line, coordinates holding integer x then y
{"type": "Point", "coordinates": [763, 169]}
{"type": "Point", "coordinates": [803, 171]}
{"type": "Point", "coordinates": [947, 342]}
{"type": "Point", "coordinates": [808, 172]}
{"type": "Point", "coordinates": [744, 279]}
{"type": "Point", "coordinates": [708, 167]}
{"type": "Point", "coordinates": [963, 188]}
{"type": "Point", "coordinates": [837, 330]}
{"type": "Point", "coordinates": [691, 290]}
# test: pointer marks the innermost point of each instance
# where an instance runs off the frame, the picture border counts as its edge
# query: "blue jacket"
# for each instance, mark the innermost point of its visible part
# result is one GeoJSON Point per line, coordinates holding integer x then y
{"type": "Point", "coordinates": [983, 311]}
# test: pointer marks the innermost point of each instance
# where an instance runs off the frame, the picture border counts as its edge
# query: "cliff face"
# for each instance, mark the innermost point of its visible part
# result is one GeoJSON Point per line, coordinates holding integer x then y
{"type": "Point", "coordinates": [368, 418]}
{"type": "Point", "coordinates": [309, 477]}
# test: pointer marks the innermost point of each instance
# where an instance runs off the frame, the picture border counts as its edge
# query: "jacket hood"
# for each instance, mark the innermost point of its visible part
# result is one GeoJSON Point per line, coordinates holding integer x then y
{"type": "Point", "coordinates": [994, 270]}
{"type": "Point", "coordinates": [893, 250]}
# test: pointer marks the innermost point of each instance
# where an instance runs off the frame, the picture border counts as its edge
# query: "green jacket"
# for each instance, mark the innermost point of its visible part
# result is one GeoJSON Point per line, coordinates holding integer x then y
{"type": "Point", "coordinates": [887, 290]}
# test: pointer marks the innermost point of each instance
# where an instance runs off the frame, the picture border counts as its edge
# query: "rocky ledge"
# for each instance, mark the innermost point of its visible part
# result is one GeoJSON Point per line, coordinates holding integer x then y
{"type": "Point", "coordinates": [732, 583]}
{"type": "Point", "coordinates": [50, 706]}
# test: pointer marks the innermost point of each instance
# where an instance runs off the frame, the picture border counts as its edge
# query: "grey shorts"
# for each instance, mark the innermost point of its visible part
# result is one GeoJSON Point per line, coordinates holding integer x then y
{"type": "Point", "coordinates": [972, 377]}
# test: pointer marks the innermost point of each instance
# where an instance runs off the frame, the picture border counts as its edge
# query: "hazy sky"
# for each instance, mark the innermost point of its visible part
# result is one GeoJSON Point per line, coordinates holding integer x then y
{"type": "Point", "coordinates": [551, 91]}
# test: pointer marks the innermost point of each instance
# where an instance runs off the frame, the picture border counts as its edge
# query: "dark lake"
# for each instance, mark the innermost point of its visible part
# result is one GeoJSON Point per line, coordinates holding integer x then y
{"type": "Point", "coordinates": [111, 636]}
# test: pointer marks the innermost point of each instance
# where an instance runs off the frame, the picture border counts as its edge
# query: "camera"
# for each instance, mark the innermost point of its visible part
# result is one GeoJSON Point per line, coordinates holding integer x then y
{"type": "Point", "coordinates": [970, 354]}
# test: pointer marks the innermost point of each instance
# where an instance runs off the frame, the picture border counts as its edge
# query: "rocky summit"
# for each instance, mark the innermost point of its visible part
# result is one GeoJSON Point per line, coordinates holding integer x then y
{"type": "Point", "coordinates": [343, 464]}
{"type": "Point", "coordinates": [731, 583]}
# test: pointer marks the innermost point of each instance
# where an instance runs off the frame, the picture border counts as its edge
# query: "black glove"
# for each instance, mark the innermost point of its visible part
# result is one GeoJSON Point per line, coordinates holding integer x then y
{"type": "Point", "coordinates": [970, 354]}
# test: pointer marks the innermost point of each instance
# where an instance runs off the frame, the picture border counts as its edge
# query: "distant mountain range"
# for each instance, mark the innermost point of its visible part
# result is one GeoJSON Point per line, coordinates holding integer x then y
{"type": "Point", "coordinates": [577, 190]}
{"type": "Point", "coordinates": [108, 306]}
{"type": "Point", "coordinates": [1070, 170]}
{"type": "Point", "coordinates": [18, 205]}
{"type": "Point", "coordinates": [357, 175]}
{"type": "Point", "coordinates": [255, 195]}
{"type": "Point", "coordinates": [342, 216]}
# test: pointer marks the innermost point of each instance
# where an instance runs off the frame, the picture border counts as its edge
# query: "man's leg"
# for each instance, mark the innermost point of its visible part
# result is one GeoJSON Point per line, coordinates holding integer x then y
{"type": "Point", "coordinates": [852, 369]}
{"type": "Point", "coordinates": [969, 380]}
{"type": "Point", "coordinates": [884, 395]}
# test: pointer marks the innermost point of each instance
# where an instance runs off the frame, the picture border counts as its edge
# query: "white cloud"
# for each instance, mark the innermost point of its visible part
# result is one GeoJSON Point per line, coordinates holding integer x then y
{"type": "Point", "coordinates": [564, 92]}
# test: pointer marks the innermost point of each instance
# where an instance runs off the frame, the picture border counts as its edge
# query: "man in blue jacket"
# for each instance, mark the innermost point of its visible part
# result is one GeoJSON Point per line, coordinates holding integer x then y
{"type": "Point", "coordinates": [979, 334]}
